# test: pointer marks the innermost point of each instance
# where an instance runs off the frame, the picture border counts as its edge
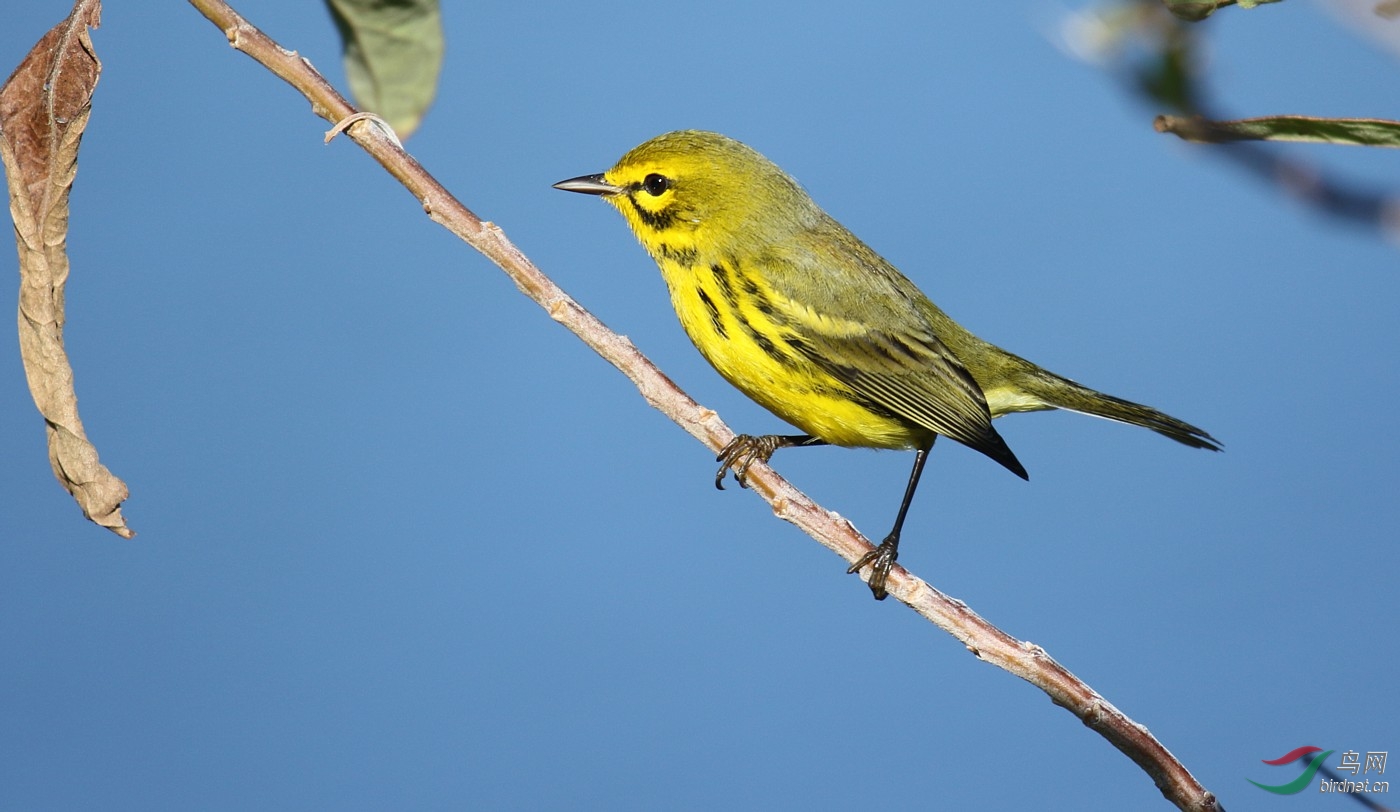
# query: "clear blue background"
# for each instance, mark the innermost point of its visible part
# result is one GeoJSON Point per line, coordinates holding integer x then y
{"type": "Point", "coordinates": [406, 543]}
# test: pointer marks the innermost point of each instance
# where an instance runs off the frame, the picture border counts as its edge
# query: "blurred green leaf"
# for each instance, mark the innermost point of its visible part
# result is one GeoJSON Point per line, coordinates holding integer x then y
{"type": "Point", "coordinates": [393, 56]}
{"type": "Point", "coordinates": [1172, 77]}
{"type": "Point", "coordinates": [1197, 10]}
{"type": "Point", "coordinates": [1371, 132]}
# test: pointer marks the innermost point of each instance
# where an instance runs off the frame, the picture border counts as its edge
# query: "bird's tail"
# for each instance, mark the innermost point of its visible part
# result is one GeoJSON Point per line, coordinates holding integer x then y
{"type": "Point", "coordinates": [1060, 392]}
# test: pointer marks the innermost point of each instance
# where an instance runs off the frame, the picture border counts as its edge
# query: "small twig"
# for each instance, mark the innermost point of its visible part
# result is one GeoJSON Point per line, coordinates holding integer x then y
{"type": "Point", "coordinates": [1303, 181]}
{"type": "Point", "coordinates": [984, 640]}
{"type": "Point", "coordinates": [1173, 80]}
{"type": "Point", "coordinates": [344, 124]}
{"type": "Point", "coordinates": [1369, 132]}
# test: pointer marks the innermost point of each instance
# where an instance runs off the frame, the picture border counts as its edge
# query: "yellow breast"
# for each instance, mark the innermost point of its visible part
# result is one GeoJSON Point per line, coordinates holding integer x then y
{"type": "Point", "coordinates": [727, 315]}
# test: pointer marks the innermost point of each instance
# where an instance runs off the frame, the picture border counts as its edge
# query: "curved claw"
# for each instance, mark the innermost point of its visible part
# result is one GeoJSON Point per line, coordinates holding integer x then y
{"type": "Point", "coordinates": [880, 559]}
{"type": "Point", "coordinates": [742, 452]}
{"type": "Point", "coordinates": [745, 450]}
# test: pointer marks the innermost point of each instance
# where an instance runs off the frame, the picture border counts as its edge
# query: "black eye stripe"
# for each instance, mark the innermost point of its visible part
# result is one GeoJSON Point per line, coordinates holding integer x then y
{"type": "Point", "coordinates": [656, 185]}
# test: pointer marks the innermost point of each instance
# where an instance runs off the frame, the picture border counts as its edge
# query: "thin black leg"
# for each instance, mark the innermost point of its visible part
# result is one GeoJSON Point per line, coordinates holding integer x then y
{"type": "Point", "coordinates": [882, 558]}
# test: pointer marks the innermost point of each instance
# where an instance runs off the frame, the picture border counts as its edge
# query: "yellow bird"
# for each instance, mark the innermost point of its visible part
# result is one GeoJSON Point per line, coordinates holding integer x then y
{"type": "Point", "coordinates": [807, 320]}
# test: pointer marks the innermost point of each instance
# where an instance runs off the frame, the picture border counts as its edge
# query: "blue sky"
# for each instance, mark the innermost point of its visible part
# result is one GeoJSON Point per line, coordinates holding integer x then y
{"type": "Point", "coordinates": [405, 543]}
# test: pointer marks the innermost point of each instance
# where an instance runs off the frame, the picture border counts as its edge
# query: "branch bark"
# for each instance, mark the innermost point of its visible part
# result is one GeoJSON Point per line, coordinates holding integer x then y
{"type": "Point", "coordinates": [985, 641]}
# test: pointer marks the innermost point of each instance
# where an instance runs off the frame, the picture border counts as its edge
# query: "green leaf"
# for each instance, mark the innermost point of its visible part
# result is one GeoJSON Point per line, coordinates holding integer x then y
{"type": "Point", "coordinates": [1370, 132]}
{"type": "Point", "coordinates": [393, 55]}
{"type": "Point", "coordinates": [1197, 10]}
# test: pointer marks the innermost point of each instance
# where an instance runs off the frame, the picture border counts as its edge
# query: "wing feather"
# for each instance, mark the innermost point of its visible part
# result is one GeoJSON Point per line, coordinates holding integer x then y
{"type": "Point", "coordinates": [873, 335]}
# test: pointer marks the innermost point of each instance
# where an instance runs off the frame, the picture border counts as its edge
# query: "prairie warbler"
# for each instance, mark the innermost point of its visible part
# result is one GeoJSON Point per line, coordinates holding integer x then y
{"type": "Point", "coordinates": [807, 320]}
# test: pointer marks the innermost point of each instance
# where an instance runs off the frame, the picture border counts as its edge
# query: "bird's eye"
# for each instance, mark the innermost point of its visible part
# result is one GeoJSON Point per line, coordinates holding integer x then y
{"type": "Point", "coordinates": [655, 184]}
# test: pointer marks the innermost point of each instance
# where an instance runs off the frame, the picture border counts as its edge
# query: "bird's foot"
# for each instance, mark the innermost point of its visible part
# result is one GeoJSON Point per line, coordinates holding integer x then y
{"type": "Point", "coordinates": [880, 560]}
{"type": "Point", "coordinates": [743, 451]}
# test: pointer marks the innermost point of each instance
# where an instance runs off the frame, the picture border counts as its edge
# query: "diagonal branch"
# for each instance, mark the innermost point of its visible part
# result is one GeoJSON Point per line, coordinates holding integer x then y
{"type": "Point", "coordinates": [984, 640]}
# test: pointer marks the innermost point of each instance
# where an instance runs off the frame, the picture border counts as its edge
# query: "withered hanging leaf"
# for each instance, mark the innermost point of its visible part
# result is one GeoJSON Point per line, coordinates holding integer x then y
{"type": "Point", "coordinates": [393, 55]}
{"type": "Point", "coordinates": [44, 108]}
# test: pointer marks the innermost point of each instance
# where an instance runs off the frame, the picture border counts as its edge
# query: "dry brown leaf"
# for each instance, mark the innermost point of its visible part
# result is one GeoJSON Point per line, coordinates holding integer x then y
{"type": "Point", "coordinates": [44, 108]}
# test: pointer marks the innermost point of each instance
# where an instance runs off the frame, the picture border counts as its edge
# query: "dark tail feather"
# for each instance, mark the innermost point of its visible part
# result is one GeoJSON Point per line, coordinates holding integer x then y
{"type": "Point", "coordinates": [1062, 393]}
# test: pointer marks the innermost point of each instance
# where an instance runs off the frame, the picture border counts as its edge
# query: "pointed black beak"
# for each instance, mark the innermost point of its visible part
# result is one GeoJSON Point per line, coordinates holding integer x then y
{"type": "Point", "coordinates": [588, 185]}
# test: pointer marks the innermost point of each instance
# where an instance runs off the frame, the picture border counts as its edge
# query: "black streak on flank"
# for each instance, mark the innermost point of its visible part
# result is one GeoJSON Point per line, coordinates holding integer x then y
{"type": "Point", "coordinates": [758, 298]}
{"type": "Point", "coordinates": [714, 312]}
{"type": "Point", "coordinates": [797, 342]}
{"type": "Point", "coordinates": [762, 341]}
{"type": "Point", "coordinates": [760, 302]}
{"type": "Point", "coordinates": [681, 256]}
{"type": "Point", "coordinates": [655, 220]}
{"type": "Point", "coordinates": [726, 288]}
{"type": "Point", "coordinates": [766, 344]}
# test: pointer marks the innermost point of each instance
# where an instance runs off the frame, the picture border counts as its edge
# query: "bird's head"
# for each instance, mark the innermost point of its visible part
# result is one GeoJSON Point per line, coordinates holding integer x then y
{"type": "Point", "coordinates": [703, 189]}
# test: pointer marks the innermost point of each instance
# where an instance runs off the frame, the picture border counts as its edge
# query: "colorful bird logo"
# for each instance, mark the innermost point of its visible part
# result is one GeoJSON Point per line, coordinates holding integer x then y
{"type": "Point", "coordinates": [1300, 783]}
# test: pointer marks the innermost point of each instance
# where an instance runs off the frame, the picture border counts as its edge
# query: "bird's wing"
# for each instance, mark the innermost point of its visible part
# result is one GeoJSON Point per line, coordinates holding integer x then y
{"type": "Point", "coordinates": [872, 335]}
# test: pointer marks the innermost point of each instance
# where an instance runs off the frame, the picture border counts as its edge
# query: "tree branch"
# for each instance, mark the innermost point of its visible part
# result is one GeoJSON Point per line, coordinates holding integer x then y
{"type": "Point", "coordinates": [1025, 660]}
{"type": "Point", "coordinates": [1171, 76]}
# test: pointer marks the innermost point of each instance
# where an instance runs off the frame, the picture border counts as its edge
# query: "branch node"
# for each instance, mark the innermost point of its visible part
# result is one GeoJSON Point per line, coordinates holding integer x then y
{"type": "Point", "coordinates": [1095, 711]}
{"type": "Point", "coordinates": [355, 118]}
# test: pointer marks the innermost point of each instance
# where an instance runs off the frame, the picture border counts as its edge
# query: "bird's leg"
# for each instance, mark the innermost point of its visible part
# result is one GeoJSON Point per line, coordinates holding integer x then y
{"type": "Point", "coordinates": [746, 449]}
{"type": "Point", "coordinates": [882, 558]}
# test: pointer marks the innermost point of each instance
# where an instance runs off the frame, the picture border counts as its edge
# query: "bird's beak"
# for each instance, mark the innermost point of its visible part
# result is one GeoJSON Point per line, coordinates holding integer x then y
{"type": "Point", "coordinates": [588, 185]}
